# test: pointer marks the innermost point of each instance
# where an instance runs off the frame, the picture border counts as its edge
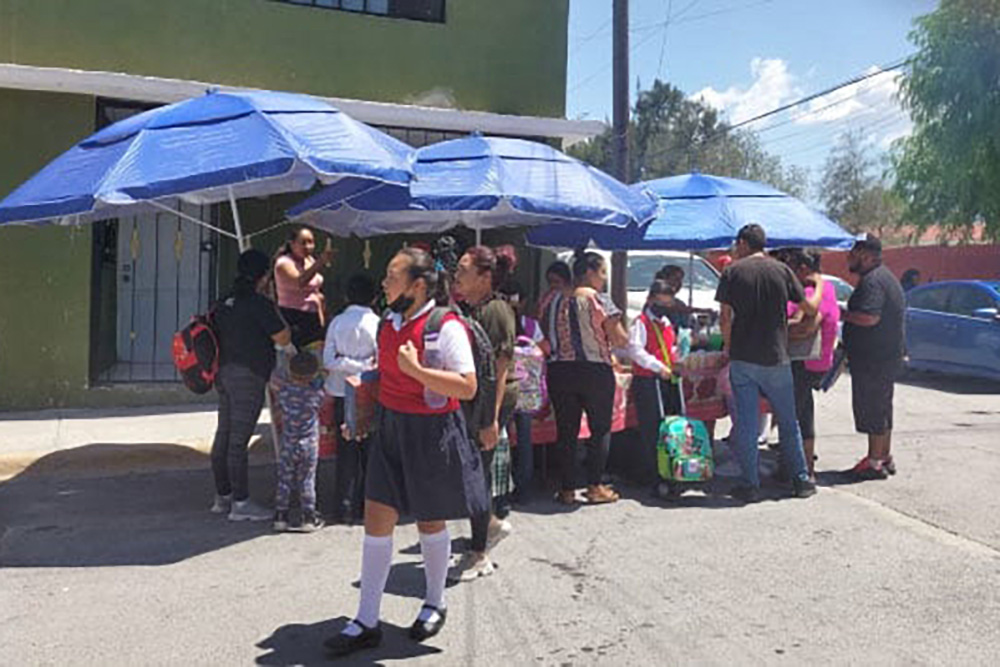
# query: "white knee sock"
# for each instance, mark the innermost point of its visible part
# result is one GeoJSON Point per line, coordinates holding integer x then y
{"type": "Point", "coordinates": [376, 559]}
{"type": "Point", "coordinates": [436, 549]}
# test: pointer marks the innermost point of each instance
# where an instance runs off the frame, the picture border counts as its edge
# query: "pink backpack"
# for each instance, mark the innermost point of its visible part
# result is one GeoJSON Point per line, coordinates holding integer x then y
{"type": "Point", "coordinates": [529, 370]}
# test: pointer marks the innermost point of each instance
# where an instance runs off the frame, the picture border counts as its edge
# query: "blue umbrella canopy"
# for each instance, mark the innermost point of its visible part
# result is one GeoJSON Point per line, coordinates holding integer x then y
{"type": "Point", "coordinates": [701, 212]}
{"type": "Point", "coordinates": [480, 182]}
{"type": "Point", "coordinates": [217, 147]}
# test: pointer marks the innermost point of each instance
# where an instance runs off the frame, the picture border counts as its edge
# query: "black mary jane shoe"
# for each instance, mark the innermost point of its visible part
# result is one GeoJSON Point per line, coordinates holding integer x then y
{"type": "Point", "coordinates": [422, 630]}
{"type": "Point", "coordinates": [342, 644]}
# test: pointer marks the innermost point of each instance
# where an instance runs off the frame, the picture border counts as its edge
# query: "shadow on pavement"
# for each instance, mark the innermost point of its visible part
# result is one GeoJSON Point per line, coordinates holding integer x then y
{"type": "Point", "coordinates": [50, 517]}
{"type": "Point", "coordinates": [951, 384]}
{"type": "Point", "coordinates": [300, 644]}
{"type": "Point", "coordinates": [406, 580]}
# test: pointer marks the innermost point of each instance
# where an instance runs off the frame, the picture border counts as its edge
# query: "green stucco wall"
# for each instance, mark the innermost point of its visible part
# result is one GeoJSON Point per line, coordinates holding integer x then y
{"type": "Point", "coordinates": [44, 272]}
{"type": "Point", "coordinates": [505, 56]}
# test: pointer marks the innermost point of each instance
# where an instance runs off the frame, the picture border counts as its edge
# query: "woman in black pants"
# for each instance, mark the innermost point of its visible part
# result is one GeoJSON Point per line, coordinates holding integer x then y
{"type": "Point", "coordinates": [249, 327]}
{"type": "Point", "coordinates": [479, 274]}
{"type": "Point", "coordinates": [583, 326]}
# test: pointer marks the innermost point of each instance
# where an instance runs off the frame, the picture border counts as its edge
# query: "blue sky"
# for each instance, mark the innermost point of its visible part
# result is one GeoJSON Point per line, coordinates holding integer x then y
{"type": "Point", "coordinates": [749, 56]}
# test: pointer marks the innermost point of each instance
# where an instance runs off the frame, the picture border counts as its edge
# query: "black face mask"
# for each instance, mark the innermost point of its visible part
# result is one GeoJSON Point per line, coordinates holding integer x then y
{"type": "Point", "coordinates": [401, 304]}
{"type": "Point", "coordinates": [659, 310]}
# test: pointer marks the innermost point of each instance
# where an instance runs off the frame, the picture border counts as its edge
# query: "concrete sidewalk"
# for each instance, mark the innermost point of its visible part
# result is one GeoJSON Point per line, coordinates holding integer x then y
{"type": "Point", "coordinates": [112, 441]}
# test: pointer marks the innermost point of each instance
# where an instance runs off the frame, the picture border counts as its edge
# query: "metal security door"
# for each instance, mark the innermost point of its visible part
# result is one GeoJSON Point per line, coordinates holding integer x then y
{"type": "Point", "coordinates": [165, 275]}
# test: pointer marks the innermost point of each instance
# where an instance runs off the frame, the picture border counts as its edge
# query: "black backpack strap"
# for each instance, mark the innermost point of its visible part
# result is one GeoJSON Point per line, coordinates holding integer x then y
{"type": "Point", "coordinates": [436, 320]}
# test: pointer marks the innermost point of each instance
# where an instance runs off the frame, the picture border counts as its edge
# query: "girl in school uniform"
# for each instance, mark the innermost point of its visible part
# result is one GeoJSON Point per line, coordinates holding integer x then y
{"type": "Point", "coordinates": [421, 461]}
{"type": "Point", "coordinates": [654, 374]}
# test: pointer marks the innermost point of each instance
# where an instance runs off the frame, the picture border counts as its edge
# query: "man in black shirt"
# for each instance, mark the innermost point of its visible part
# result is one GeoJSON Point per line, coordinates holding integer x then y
{"type": "Point", "coordinates": [754, 292]}
{"type": "Point", "coordinates": [873, 335]}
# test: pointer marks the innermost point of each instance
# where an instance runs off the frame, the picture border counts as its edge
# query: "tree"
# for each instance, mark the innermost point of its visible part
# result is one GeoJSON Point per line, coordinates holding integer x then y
{"type": "Point", "coordinates": [672, 134]}
{"type": "Point", "coordinates": [853, 193]}
{"type": "Point", "coordinates": [948, 171]}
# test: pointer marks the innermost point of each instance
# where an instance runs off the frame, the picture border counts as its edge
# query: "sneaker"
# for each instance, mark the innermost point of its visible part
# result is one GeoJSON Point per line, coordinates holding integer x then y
{"type": "Point", "coordinates": [803, 488]}
{"type": "Point", "coordinates": [281, 521]}
{"type": "Point", "coordinates": [497, 533]}
{"type": "Point", "coordinates": [343, 644]}
{"type": "Point", "coordinates": [867, 469]}
{"type": "Point", "coordinates": [889, 465]}
{"type": "Point", "coordinates": [222, 504]}
{"type": "Point", "coordinates": [311, 522]}
{"type": "Point", "coordinates": [248, 510]}
{"type": "Point", "coordinates": [601, 494]}
{"type": "Point", "coordinates": [745, 494]}
{"type": "Point", "coordinates": [471, 567]}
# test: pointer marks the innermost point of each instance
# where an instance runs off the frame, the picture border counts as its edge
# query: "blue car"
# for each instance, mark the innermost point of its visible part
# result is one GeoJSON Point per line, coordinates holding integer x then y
{"type": "Point", "coordinates": [953, 327]}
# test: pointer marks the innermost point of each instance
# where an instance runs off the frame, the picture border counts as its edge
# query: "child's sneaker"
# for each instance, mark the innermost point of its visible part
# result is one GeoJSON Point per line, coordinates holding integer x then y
{"type": "Point", "coordinates": [311, 522]}
{"type": "Point", "coordinates": [222, 504]}
{"type": "Point", "coordinates": [281, 521]}
{"type": "Point", "coordinates": [248, 510]}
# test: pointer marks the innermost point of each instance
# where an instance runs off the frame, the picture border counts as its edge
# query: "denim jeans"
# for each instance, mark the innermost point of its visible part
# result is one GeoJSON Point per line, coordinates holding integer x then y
{"type": "Point", "coordinates": [524, 459]}
{"type": "Point", "coordinates": [750, 382]}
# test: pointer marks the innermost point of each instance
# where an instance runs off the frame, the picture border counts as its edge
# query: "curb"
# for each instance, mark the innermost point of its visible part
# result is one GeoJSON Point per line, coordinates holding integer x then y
{"type": "Point", "coordinates": [112, 460]}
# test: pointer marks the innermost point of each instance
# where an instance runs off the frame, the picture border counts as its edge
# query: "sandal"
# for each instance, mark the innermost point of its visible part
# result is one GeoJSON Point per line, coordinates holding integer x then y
{"type": "Point", "coordinates": [566, 497]}
{"type": "Point", "coordinates": [601, 495]}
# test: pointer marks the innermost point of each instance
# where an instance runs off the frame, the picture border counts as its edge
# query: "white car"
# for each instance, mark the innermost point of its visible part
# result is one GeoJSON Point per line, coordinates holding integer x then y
{"type": "Point", "coordinates": [843, 288]}
{"type": "Point", "coordinates": [701, 279]}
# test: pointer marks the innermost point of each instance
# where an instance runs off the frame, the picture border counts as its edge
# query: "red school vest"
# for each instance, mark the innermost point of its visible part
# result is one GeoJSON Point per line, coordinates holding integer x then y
{"type": "Point", "coordinates": [653, 344]}
{"type": "Point", "coordinates": [398, 391]}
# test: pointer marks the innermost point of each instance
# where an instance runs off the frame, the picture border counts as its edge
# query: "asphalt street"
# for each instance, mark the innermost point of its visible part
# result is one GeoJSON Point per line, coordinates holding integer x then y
{"type": "Point", "coordinates": [132, 569]}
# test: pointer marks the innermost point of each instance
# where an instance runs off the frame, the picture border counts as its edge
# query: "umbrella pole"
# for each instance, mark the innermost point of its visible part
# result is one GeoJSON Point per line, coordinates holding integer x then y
{"type": "Point", "coordinates": [240, 239]}
{"type": "Point", "coordinates": [479, 236]}
{"type": "Point", "coordinates": [690, 280]}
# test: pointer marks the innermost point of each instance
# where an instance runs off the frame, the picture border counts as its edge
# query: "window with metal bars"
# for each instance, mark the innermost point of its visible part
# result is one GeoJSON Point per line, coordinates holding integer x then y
{"type": "Point", "coordinates": [417, 10]}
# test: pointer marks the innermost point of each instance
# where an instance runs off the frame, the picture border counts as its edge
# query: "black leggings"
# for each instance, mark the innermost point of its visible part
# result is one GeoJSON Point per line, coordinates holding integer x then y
{"type": "Point", "coordinates": [806, 382]}
{"type": "Point", "coordinates": [481, 522]}
{"type": "Point", "coordinates": [655, 399]}
{"type": "Point", "coordinates": [349, 485]}
{"type": "Point", "coordinates": [576, 387]}
{"type": "Point", "coordinates": [241, 398]}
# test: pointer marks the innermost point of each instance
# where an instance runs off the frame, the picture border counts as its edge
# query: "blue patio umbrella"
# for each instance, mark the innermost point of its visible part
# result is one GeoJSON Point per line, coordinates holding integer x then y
{"type": "Point", "coordinates": [217, 147]}
{"type": "Point", "coordinates": [480, 182]}
{"type": "Point", "coordinates": [702, 212]}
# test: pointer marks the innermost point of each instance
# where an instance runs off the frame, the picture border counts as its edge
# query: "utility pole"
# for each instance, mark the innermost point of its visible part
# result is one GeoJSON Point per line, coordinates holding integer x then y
{"type": "Point", "coordinates": [620, 114]}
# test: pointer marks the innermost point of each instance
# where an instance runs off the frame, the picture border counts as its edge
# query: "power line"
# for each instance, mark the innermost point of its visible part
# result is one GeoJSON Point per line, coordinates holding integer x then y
{"type": "Point", "coordinates": [822, 93]}
{"type": "Point", "coordinates": [663, 44]}
{"type": "Point", "coordinates": [726, 130]}
{"type": "Point", "coordinates": [607, 66]}
{"type": "Point", "coordinates": [829, 123]}
{"type": "Point", "coordinates": [828, 143]}
{"type": "Point", "coordinates": [794, 119]}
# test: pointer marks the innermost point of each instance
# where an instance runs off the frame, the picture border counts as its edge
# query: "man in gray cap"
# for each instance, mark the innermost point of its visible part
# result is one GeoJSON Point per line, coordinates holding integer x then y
{"type": "Point", "coordinates": [873, 335]}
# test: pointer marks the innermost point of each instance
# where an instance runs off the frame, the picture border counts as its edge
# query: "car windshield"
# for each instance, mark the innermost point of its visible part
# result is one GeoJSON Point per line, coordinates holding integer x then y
{"type": "Point", "coordinates": [642, 270]}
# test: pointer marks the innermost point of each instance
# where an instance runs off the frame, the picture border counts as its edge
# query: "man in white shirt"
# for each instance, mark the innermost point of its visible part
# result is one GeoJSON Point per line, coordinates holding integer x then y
{"type": "Point", "coordinates": [350, 350]}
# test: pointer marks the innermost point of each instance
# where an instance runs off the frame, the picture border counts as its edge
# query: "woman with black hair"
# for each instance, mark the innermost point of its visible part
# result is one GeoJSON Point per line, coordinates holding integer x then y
{"type": "Point", "coordinates": [249, 327]}
{"type": "Point", "coordinates": [583, 327]}
{"type": "Point", "coordinates": [654, 378]}
{"type": "Point", "coordinates": [421, 461]}
{"type": "Point", "coordinates": [478, 276]}
{"type": "Point", "coordinates": [299, 285]}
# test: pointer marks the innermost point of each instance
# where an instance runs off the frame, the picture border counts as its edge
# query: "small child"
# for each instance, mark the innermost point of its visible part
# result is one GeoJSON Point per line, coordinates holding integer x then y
{"type": "Point", "coordinates": [299, 397]}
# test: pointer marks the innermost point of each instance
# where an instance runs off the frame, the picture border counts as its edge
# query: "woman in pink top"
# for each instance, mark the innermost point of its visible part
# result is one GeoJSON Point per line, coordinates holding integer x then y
{"type": "Point", "coordinates": [808, 374]}
{"type": "Point", "coordinates": [299, 284]}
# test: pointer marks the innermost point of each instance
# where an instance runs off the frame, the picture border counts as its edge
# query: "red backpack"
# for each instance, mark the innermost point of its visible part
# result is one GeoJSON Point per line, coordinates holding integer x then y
{"type": "Point", "coordinates": [196, 353]}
